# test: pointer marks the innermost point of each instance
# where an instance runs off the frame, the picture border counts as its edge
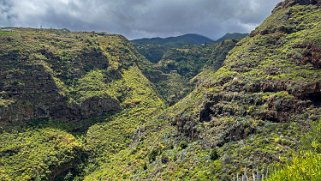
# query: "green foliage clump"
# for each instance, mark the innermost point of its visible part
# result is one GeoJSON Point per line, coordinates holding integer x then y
{"type": "Point", "coordinates": [37, 154]}
{"type": "Point", "coordinates": [307, 164]}
{"type": "Point", "coordinates": [5, 102]}
{"type": "Point", "coordinates": [214, 154]}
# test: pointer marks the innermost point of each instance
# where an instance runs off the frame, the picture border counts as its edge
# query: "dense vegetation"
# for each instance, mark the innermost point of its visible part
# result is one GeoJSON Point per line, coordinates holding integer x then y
{"type": "Point", "coordinates": [247, 117]}
{"type": "Point", "coordinates": [77, 79]}
{"type": "Point", "coordinates": [254, 110]}
{"type": "Point", "coordinates": [37, 154]}
{"type": "Point", "coordinates": [175, 67]}
{"type": "Point", "coordinates": [306, 164]}
{"type": "Point", "coordinates": [83, 106]}
{"type": "Point", "coordinates": [179, 41]}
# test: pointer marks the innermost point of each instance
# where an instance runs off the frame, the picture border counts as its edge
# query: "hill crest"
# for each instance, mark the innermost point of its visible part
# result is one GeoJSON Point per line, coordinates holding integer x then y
{"type": "Point", "coordinates": [186, 39]}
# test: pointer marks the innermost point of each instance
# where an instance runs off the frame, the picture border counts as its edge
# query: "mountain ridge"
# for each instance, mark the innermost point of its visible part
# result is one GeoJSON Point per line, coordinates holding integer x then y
{"type": "Point", "coordinates": [80, 106]}
{"type": "Point", "coordinates": [247, 116]}
{"type": "Point", "coordinates": [182, 40]}
{"type": "Point", "coordinates": [172, 68]}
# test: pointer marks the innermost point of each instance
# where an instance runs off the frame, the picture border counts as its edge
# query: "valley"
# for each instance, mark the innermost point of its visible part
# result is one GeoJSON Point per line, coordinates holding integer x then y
{"type": "Point", "coordinates": [96, 106]}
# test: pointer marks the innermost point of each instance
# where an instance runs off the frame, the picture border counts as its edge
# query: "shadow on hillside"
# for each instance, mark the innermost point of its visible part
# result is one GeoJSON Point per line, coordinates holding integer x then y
{"type": "Point", "coordinates": [76, 128]}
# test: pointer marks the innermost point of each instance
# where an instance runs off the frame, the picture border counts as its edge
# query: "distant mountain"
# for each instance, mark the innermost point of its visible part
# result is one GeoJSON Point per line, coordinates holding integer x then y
{"type": "Point", "coordinates": [153, 49]}
{"type": "Point", "coordinates": [187, 39]}
{"type": "Point", "coordinates": [229, 36]}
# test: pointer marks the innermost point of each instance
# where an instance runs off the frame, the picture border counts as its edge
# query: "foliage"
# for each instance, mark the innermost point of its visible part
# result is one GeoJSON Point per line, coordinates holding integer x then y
{"type": "Point", "coordinates": [307, 164]}
{"type": "Point", "coordinates": [245, 116]}
{"type": "Point", "coordinates": [172, 74]}
{"type": "Point", "coordinates": [174, 42]}
{"type": "Point", "coordinates": [4, 102]}
{"type": "Point", "coordinates": [257, 106]}
{"type": "Point", "coordinates": [36, 154]}
{"type": "Point", "coordinates": [81, 66]}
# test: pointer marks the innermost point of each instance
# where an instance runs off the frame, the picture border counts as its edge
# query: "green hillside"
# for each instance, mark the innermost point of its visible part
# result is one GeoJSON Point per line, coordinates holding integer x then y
{"type": "Point", "coordinates": [173, 75]}
{"type": "Point", "coordinates": [88, 106]}
{"type": "Point", "coordinates": [178, 41]}
{"type": "Point", "coordinates": [247, 117]}
{"type": "Point", "coordinates": [54, 83]}
{"type": "Point", "coordinates": [173, 62]}
{"type": "Point", "coordinates": [155, 48]}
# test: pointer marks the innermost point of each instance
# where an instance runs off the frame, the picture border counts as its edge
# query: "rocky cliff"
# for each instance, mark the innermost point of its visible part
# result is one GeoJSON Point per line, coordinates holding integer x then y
{"type": "Point", "coordinates": [42, 70]}
{"type": "Point", "coordinates": [247, 116]}
{"type": "Point", "coordinates": [54, 85]}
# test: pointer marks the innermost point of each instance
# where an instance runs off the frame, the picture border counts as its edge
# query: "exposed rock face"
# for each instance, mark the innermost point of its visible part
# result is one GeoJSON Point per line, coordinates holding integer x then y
{"type": "Point", "coordinates": [238, 103]}
{"type": "Point", "coordinates": [312, 54]}
{"type": "Point", "coordinates": [272, 76]}
{"type": "Point", "coordinates": [32, 88]}
{"type": "Point", "coordinates": [36, 95]}
{"type": "Point", "coordinates": [186, 126]}
{"type": "Point", "coordinates": [282, 109]}
{"type": "Point", "coordinates": [96, 106]}
{"type": "Point", "coordinates": [39, 81]}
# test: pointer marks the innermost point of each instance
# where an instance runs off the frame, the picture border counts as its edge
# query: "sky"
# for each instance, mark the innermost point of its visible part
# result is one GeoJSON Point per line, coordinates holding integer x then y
{"type": "Point", "coordinates": [139, 18]}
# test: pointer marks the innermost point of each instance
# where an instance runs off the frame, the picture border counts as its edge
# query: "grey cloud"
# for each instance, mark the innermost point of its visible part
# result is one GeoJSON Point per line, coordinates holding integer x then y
{"type": "Point", "coordinates": [139, 18]}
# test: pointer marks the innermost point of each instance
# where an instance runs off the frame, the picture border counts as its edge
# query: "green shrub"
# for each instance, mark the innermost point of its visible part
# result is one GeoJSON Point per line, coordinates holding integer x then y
{"type": "Point", "coordinates": [214, 154]}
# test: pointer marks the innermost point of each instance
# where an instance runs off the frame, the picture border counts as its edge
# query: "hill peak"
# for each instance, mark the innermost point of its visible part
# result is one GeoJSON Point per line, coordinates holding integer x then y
{"type": "Point", "coordinates": [229, 36]}
{"type": "Point", "coordinates": [186, 39]}
{"type": "Point", "coordinates": [288, 3]}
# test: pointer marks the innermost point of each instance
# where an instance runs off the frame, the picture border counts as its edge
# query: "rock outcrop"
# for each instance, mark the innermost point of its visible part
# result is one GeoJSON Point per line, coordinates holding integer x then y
{"type": "Point", "coordinates": [270, 79]}
{"type": "Point", "coordinates": [41, 80]}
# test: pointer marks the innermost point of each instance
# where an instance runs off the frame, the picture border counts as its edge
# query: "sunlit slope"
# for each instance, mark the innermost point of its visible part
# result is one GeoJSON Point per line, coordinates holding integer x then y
{"type": "Point", "coordinates": [246, 116]}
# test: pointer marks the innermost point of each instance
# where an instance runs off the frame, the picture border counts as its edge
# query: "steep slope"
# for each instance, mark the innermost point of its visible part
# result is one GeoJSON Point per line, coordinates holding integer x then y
{"type": "Point", "coordinates": [55, 83]}
{"type": "Point", "coordinates": [175, 61]}
{"type": "Point", "coordinates": [61, 75]}
{"type": "Point", "coordinates": [173, 73]}
{"type": "Point", "coordinates": [244, 117]}
{"type": "Point", "coordinates": [261, 101]}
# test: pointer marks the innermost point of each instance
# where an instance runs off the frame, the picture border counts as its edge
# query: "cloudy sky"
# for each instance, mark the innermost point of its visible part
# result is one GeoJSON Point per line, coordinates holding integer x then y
{"type": "Point", "coordinates": [139, 18]}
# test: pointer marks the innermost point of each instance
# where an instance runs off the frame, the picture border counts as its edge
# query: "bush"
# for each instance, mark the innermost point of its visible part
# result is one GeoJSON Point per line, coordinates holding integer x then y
{"type": "Point", "coordinates": [152, 156]}
{"type": "Point", "coordinates": [214, 154]}
{"type": "Point", "coordinates": [183, 144]}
